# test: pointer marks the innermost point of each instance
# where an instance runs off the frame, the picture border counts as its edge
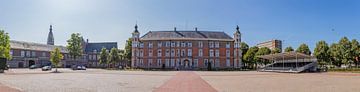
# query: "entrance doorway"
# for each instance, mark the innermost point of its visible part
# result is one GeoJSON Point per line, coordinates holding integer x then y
{"type": "Point", "coordinates": [31, 62]}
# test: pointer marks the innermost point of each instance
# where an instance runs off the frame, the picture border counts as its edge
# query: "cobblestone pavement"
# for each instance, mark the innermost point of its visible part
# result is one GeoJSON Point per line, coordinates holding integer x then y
{"type": "Point", "coordinates": [98, 80]}
{"type": "Point", "coordinates": [186, 82]}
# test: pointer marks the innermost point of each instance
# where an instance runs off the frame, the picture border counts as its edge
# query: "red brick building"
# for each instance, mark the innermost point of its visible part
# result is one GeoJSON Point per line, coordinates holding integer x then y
{"type": "Point", "coordinates": [186, 49]}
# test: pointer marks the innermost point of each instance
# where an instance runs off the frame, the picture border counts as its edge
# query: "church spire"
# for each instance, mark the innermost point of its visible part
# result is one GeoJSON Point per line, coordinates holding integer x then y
{"type": "Point", "coordinates": [136, 28]}
{"type": "Point", "coordinates": [50, 40]}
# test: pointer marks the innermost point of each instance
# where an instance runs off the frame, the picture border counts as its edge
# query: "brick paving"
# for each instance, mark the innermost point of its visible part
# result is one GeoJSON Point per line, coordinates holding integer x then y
{"type": "Point", "coordinates": [186, 82]}
{"type": "Point", "coordinates": [4, 88]}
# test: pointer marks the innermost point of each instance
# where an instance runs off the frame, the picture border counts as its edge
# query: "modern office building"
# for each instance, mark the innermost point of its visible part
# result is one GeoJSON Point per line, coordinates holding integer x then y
{"type": "Point", "coordinates": [272, 44]}
{"type": "Point", "coordinates": [25, 54]}
{"type": "Point", "coordinates": [187, 49]}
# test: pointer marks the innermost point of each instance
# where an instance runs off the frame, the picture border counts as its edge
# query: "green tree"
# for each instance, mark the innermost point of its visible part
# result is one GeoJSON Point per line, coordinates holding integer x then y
{"type": "Point", "coordinates": [56, 57]}
{"type": "Point", "coordinates": [355, 51]}
{"type": "Point", "coordinates": [4, 45]}
{"type": "Point", "coordinates": [276, 50]}
{"type": "Point", "coordinates": [113, 56]}
{"type": "Point", "coordinates": [244, 47]}
{"type": "Point", "coordinates": [260, 52]}
{"type": "Point", "coordinates": [122, 57]}
{"type": "Point", "coordinates": [321, 52]}
{"type": "Point", "coordinates": [128, 51]}
{"type": "Point", "coordinates": [75, 45]}
{"type": "Point", "coordinates": [289, 49]}
{"type": "Point", "coordinates": [103, 56]}
{"type": "Point", "coordinates": [335, 54]}
{"type": "Point", "coordinates": [303, 48]}
{"type": "Point", "coordinates": [250, 56]}
{"type": "Point", "coordinates": [345, 51]}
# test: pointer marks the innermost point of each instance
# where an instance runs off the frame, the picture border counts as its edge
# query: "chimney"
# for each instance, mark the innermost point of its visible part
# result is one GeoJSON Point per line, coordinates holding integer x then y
{"type": "Point", "coordinates": [174, 28]}
{"type": "Point", "coordinates": [196, 29]}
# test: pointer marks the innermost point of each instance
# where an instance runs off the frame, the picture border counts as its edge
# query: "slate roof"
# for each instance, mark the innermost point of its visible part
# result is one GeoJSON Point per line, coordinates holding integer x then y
{"type": "Point", "coordinates": [35, 46]}
{"type": "Point", "coordinates": [190, 35]}
{"type": "Point", "coordinates": [90, 47]}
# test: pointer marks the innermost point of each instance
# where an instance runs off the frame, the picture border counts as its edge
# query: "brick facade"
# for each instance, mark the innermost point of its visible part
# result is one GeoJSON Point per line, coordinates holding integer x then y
{"type": "Point", "coordinates": [186, 49]}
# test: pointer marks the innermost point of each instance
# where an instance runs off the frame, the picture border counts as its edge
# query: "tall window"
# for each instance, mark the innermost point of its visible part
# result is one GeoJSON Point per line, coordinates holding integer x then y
{"type": "Point", "coordinates": [172, 63]}
{"type": "Point", "coordinates": [22, 53]}
{"type": "Point", "coordinates": [172, 52]}
{"type": "Point", "coordinates": [211, 44]}
{"type": "Point", "coordinates": [150, 53]}
{"type": "Point", "coordinates": [217, 44]}
{"type": "Point", "coordinates": [177, 44]}
{"type": "Point", "coordinates": [28, 54]}
{"type": "Point", "coordinates": [167, 52]}
{"type": "Point", "coordinates": [183, 44]}
{"type": "Point", "coordinates": [141, 45]}
{"type": "Point", "coordinates": [159, 62]}
{"type": "Point", "coordinates": [228, 53]}
{"type": "Point", "coordinates": [189, 44]}
{"type": "Point", "coordinates": [217, 63]}
{"type": "Point", "coordinates": [200, 52]}
{"type": "Point", "coordinates": [173, 44]}
{"type": "Point", "coordinates": [211, 54]}
{"type": "Point", "coordinates": [167, 44]}
{"type": "Point", "coordinates": [141, 62]}
{"type": "Point", "coordinates": [141, 53]}
{"type": "Point", "coordinates": [205, 62]}
{"type": "Point", "coordinates": [159, 53]}
{"type": "Point", "coordinates": [227, 62]}
{"type": "Point", "coordinates": [167, 62]}
{"type": "Point", "coordinates": [159, 44]}
{"type": "Point", "coordinates": [196, 61]}
{"type": "Point", "coordinates": [149, 62]}
{"type": "Point", "coordinates": [217, 53]}
{"type": "Point", "coordinates": [228, 45]}
{"type": "Point", "coordinates": [189, 52]}
{"type": "Point", "coordinates": [183, 52]}
{"type": "Point", "coordinates": [150, 45]}
{"type": "Point", "coordinates": [200, 44]}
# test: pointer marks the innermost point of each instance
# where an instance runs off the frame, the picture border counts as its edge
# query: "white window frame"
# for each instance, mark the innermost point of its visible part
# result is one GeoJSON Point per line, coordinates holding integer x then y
{"type": "Point", "coordinates": [217, 44]}
{"type": "Point", "coordinates": [159, 44]}
{"type": "Point", "coordinates": [150, 45]}
{"type": "Point", "coordinates": [211, 53]}
{"type": "Point", "coordinates": [159, 53]}
{"type": "Point", "coordinates": [189, 52]}
{"type": "Point", "coordinates": [167, 52]}
{"type": "Point", "coordinates": [150, 53]}
{"type": "Point", "coordinates": [217, 53]}
{"type": "Point", "coordinates": [227, 62]}
{"type": "Point", "coordinates": [200, 52]}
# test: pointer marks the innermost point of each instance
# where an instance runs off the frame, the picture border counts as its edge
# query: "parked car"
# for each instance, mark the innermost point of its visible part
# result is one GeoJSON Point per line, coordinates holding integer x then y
{"type": "Point", "coordinates": [46, 68]}
{"type": "Point", "coordinates": [79, 67]}
{"type": "Point", "coordinates": [33, 67]}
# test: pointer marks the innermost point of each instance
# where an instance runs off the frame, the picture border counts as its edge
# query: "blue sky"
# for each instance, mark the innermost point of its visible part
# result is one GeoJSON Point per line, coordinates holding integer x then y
{"type": "Point", "coordinates": [294, 21]}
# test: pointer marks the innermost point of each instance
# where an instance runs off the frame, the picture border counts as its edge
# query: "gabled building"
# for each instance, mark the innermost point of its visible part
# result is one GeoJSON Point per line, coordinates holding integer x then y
{"type": "Point", "coordinates": [26, 54]}
{"type": "Point", "coordinates": [186, 49]}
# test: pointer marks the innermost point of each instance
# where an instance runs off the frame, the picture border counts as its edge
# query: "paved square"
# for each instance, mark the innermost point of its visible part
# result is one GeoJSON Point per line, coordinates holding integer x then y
{"type": "Point", "coordinates": [98, 80]}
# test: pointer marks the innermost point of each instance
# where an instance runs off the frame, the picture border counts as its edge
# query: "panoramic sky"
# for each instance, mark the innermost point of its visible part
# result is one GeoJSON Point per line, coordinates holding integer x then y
{"type": "Point", "coordinates": [293, 21]}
